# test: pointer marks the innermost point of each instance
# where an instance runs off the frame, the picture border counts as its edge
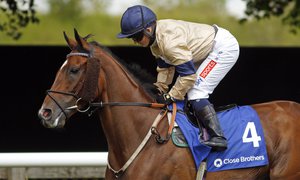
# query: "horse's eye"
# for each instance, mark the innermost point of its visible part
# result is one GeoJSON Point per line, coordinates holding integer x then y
{"type": "Point", "coordinates": [74, 70]}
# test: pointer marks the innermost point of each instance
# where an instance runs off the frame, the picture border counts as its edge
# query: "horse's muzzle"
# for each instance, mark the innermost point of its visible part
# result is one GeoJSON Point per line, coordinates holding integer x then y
{"type": "Point", "coordinates": [50, 121]}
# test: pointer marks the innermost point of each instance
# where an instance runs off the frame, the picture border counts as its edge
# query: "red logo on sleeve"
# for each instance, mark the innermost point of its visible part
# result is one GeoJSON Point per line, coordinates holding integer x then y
{"type": "Point", "coordinates": [208, 68]}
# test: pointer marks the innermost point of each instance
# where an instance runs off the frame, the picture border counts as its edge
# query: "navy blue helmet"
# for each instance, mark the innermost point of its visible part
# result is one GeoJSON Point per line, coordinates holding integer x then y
{"type": "Point", "coordinates": [136, 19]}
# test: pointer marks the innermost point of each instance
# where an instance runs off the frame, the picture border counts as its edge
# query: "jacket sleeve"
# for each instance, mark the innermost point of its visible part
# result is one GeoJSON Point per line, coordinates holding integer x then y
{"type": "Point", "coordinates": [181, 86]}
{"type": "Point", "coordinates": [186, 79]}
{"type": "Point", "coordinates": [165, 75]}
{"type": "Point", "coordinates": [176, 52]}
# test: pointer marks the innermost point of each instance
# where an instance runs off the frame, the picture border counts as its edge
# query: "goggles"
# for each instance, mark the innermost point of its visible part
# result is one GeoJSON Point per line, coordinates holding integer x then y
{"type": "Point", "coordinates": [137, 37]}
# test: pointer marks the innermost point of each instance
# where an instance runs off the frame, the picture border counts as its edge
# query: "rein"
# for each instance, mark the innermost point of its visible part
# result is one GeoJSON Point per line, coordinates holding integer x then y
{"type": "Point", "coordinates": [97, 104]}
{"type": "Point", "coordinates": [102, 104]}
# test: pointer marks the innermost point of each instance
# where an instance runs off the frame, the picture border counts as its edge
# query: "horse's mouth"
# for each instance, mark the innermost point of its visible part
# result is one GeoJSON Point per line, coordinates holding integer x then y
{"type": "Point", "coordinates": [58, 122]}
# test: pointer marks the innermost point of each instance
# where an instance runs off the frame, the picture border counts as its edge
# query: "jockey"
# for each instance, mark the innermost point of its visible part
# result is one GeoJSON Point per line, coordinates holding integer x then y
{"type": "Point", "coordinates": [200, 54]}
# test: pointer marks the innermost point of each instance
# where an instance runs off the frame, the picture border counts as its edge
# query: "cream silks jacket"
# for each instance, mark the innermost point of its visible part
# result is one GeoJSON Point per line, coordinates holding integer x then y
{"type": "Point", "coordinates": [178, 42]}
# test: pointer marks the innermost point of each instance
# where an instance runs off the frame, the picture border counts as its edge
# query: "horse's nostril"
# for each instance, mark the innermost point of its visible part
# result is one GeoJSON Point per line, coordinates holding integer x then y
{"type": "Point", "coordinates": [45, 113]}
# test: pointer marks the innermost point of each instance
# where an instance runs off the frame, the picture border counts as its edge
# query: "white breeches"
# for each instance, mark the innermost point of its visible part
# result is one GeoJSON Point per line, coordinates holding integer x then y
{"type": "Point", "coordinates": [217, 64]}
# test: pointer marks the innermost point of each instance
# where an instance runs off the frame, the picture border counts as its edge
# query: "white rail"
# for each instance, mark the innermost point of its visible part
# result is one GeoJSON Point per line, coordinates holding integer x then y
{"type": "Point", "coordinates": [53, 159]}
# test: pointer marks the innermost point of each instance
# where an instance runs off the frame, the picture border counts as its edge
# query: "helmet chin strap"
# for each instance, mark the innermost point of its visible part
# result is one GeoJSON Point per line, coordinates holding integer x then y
{"type": "Point", "coordinates": [151, 35]}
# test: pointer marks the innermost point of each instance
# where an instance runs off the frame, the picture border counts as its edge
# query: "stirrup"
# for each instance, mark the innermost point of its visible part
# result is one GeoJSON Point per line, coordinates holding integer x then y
{"type": "Point", "coordinates": [216, 146]}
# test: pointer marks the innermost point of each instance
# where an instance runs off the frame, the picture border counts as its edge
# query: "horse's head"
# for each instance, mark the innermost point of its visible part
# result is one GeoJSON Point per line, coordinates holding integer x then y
{"type": "Point", "coordinates": [75, 84]}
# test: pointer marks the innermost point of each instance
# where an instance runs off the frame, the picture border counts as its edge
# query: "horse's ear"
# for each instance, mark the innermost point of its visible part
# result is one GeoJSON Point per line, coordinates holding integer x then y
{"type": "Point", "coordinates": [81, 42]}
{"type": "Point", "coordinates": [71, 43]}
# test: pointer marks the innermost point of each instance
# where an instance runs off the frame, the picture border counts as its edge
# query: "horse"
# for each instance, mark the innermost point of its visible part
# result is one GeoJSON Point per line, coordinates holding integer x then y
{"type": "Point", "coordinates": [126, 111]}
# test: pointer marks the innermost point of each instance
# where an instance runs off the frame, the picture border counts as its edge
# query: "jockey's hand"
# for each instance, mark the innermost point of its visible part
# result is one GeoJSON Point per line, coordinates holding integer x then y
{"type": "Point", "coordinates": [157, 91]}
{"type": "Point", "coordinates": [164, 99]}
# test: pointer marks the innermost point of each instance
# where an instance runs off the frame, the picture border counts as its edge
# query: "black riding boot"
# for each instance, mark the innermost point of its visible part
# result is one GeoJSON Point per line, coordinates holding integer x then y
{"type": "Point", "coordinates": [209, 118]}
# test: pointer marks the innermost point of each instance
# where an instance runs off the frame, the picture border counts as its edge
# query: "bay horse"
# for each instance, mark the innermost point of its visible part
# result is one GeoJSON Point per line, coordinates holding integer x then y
{"type": "Point", "coordinates": [92, 74]}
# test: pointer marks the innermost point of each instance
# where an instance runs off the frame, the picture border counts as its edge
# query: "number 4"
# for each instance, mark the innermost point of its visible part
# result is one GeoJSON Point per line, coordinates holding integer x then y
{"type": "Point", "coordinates": [254, 138]}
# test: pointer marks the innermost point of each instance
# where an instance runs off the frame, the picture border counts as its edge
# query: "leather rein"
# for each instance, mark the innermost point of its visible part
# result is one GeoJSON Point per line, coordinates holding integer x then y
{"type": "Point", "coordinates": [152, 131]}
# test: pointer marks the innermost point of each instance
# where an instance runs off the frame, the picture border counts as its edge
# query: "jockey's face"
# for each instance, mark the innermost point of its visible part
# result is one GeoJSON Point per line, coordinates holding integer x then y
{"type": "Point", "coordinates": [143, 40]}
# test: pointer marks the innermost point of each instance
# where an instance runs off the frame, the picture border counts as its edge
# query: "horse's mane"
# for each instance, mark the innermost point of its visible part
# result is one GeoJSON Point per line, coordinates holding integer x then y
{"type": "Point", "coordinates": [142, 76]}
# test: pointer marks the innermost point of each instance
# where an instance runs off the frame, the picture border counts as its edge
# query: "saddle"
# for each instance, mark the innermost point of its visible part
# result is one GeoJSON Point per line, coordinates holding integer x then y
{"type": "Point", "coordinates": [240, 124]}
{"type": "Point", "coordinates": [177, 135]}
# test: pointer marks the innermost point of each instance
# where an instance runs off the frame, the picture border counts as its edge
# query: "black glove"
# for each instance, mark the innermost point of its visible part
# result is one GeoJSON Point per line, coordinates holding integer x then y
{"type": "Point", "coordinates": [156, 91]}
{"type": "Point", "coordinates": [164, 99]}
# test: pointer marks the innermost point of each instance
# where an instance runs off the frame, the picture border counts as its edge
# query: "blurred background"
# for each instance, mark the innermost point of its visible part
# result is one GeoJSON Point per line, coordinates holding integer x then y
{"type": "Point", "coordinates": [101, 18]}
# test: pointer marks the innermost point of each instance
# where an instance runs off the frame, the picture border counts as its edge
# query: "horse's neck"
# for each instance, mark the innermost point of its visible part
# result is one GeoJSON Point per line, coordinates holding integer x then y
{"type": "Point", "coordinates": [120, 85]}
{"type": "Point", "coordinates": [124, 126]}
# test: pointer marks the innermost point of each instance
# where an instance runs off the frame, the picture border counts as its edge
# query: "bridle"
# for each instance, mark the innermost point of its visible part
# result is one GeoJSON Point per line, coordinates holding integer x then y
{"type": "Point", "coordinates": [48, 92]}
{"type": "Point", "coordinates": [75, 95]}
{"type": "Point", "coordinates": [93, 105]}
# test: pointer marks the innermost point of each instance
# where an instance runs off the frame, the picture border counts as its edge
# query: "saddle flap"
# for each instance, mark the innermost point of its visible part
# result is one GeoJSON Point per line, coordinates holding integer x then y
{"type": "Point", "coordinates": [178, 138]}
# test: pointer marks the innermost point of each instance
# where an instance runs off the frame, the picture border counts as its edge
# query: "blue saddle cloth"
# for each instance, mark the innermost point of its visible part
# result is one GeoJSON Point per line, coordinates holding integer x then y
{"type": "Point", "coordinates": [243, 130]}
